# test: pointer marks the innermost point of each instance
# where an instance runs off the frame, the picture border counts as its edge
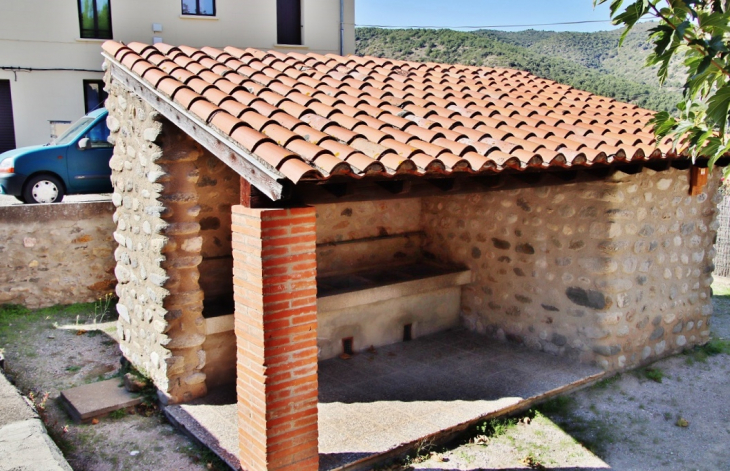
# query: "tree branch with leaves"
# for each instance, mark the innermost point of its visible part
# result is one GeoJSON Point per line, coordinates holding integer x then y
{"type": "Point", "coordinates": [697, 31]}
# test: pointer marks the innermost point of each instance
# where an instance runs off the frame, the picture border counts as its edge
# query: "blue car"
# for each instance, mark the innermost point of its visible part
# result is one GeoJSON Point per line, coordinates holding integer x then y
{"type": "Point", "coordinates": [77, 162]}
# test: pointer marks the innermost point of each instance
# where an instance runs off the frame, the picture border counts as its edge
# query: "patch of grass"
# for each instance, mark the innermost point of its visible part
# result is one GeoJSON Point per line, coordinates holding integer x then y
{"type": "Point", "coordinates": [703, 352]}
{"type": "Point", "coordinates": [654, 374]}
{"type": "Point", "coordinates": [118, 414]}
{"type": "Point", "coordinates": [73, 369]}
{"type": "Point", "coordinates": [608, 382]}
{"type": "Point", "coordinates": [495, 427]}
{"type": "Point", "coordinates": [205, 457]}
{"type": "Point", "coordinates": [716, 347]}
{"type": "Point", "coordinates": [8, 311]}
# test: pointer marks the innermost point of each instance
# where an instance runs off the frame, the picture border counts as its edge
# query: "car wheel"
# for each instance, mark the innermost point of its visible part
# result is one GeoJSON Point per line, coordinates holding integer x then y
{"type": "Point", "coordinates": [43, 189]}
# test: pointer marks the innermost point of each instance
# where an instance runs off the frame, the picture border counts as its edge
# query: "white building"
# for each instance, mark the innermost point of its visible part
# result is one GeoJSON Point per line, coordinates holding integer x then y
{"type": "Point", "coordinates": [50, 62]}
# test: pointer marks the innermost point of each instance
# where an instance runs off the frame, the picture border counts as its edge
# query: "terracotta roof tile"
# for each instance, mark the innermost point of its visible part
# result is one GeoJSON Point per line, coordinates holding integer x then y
{"type": "Point", "coordinates": [312, 116]}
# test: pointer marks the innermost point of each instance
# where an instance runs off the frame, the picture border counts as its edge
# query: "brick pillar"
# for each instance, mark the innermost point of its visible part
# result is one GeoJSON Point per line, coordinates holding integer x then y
{"type": "Point", "coordinates": [274, 269]}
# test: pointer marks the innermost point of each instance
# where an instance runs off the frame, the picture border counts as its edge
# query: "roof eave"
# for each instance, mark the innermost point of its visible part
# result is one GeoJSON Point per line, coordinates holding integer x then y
{"type": "Point", "coordinates": [261, 175]}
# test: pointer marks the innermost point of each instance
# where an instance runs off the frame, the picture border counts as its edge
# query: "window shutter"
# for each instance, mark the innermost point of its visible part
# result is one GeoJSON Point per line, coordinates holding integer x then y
{"type": "Point", "coordinates": [7, 128]}
{"type": "Point", "coordinates": [289, 21]}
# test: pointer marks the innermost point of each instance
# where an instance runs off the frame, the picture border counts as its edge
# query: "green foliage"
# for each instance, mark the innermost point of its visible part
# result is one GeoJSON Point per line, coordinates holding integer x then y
{"type": "Point", "coordinates": [118, 414]}
{"type": "Point", "coordinates": [654, 374]}
{"type": "Point", "coordinates": [205, 457]}
{"type": "Point", "coordinates": [698, 33]}
{"type": "Point", "coordinates": [716, 347]}
{"type": "Point", "coordinates": [9, 311]}
{"type": "Point", "coordinates": [587, 61]}
{"type": "Point", "coordinates": [495, 427]}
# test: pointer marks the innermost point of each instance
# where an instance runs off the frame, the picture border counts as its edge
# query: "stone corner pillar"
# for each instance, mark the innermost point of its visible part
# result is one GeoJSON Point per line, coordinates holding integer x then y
{"type": "Point", "coordinates": [275, 292]}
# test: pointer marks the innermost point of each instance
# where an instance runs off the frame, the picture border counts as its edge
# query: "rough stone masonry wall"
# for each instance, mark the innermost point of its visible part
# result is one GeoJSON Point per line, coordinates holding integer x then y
{"type": "Point", "coordinates": [154, 173]}
{"type": "Point", "coordinates": [357, 235]}
{"type": "Point", "coordinates": [614, 272]}
{"type": "Point", "coordinates": [56, 253]}
{"type": "Point", "coordinates": [218, 189]}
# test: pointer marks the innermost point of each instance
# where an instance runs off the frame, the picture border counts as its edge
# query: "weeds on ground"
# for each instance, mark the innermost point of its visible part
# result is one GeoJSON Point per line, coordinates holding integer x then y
{"type": "Point", "coordinates": [118, 414]}
{"type": "Point", "coordinates": [532, 462]}
{"type": "Point", "coordinates": [495, 427]}
{"type": "Point", "coordinates": [608, 382]}
{"type": "Point", "coordinates": [205, 457]}
{"type": "Point", "coordinates": [654, 374]}
{"type": "Point", "coordinates": [57, 434]}
{"type": "Point", "coordinates": [703, 352]}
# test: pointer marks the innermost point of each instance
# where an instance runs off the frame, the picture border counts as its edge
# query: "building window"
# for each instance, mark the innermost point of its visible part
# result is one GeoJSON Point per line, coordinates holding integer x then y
{"type": "Point", "coordinates": [95, 19]}
{"type": "Point", "coordinates": [198, 7]}
{"type": "Point", "coordinates": [99, 135]}
{"type": "Point", "coordinates": [289, 21]}
{"type": "Point", "coordinates": [94, 94]}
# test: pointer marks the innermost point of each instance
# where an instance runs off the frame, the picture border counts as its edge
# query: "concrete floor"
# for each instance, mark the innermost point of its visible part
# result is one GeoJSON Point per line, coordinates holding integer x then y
{"type": "Point", "coordinates": [384, 401]}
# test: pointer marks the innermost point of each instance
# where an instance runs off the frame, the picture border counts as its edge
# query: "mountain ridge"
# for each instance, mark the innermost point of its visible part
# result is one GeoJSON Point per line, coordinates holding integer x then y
{"type": "Point", "coordinates": [588, 61]}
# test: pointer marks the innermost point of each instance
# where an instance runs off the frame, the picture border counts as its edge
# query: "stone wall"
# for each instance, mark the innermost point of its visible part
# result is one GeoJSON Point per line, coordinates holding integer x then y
{"type": "Point", "coordinates": [154, 174]}
{"type": "Point", "coordinates": [218, 189]}
{"type": "Point", "coordinates": [364, 234]}
{"type": "Point", "coordinates": [615, 272]}
{"type": "Point", "coordinates": [56, 253]}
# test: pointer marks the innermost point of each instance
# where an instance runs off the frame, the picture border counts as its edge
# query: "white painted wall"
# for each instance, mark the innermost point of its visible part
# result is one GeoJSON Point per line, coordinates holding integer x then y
{"type": "Point", "coordinates": [45, 34]}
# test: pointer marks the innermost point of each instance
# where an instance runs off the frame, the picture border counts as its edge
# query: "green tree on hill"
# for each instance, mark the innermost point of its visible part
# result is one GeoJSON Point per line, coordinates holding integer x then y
{"type": "Point", "coordinates": [587, 61]}
{"type": "Point", "coordinates": [698, 33]}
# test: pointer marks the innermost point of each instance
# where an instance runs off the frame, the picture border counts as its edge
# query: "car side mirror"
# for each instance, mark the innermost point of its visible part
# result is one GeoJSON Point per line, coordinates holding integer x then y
{"type": "Point", "coordinates": [84, 143]}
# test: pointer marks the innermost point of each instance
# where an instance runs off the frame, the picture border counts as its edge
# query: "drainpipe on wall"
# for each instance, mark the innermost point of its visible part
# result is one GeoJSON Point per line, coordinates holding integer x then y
{"type": "Point", "coordinates": [342, 27]}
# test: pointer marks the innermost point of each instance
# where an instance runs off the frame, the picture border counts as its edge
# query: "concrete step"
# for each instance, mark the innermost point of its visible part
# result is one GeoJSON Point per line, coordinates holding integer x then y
{"type": "Point", "coordinates": [84, 403]}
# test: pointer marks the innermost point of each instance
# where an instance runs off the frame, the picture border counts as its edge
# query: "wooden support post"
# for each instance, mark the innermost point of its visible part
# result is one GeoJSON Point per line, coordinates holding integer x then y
{"type": "Point", "coordinates": [697, 180]}
{"type": "Point", "coordinates": [245, 193]}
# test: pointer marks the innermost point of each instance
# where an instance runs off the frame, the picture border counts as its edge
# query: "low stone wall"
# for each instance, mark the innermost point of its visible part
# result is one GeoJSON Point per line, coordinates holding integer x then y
{"type": "Point", "coordinates": [56, 253]}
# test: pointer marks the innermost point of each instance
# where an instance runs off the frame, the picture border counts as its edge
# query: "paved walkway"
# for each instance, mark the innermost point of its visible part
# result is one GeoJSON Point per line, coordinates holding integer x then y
{"type": "Point", "coordinates": [24, 442]}
{"type": "Point", "coordinates": [386, 401]}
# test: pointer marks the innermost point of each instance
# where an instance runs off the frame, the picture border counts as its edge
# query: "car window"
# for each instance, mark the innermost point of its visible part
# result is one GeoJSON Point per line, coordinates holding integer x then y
{"type": "Point", "coordinates": [72, 131]}
{"type": "Point", "coordinates": [99, 135]}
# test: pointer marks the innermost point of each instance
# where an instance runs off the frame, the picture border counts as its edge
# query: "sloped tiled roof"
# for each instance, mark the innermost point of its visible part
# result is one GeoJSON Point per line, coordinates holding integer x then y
{"type": "Point", "coordinates": [311, 116]}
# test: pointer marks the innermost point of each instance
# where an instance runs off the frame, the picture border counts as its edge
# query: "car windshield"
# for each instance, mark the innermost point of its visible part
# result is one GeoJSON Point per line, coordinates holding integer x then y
{"type": "Point", "coordinates": [72, 132]}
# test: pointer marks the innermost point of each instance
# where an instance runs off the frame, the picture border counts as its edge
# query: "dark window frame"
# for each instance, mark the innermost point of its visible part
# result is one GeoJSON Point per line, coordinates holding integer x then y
{"type": "Point", "coordinates": [86, 93]}
{"type": "Point", "coordinates": [96, 32]}
{"type": "Point", "coordinates": [285, 33]}
{"type": "Point", "coordinates": [197, 8]}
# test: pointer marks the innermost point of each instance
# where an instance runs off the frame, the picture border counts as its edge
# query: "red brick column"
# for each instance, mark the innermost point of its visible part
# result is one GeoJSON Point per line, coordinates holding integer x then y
{"type": "Point", "coordinates": [274, 271]}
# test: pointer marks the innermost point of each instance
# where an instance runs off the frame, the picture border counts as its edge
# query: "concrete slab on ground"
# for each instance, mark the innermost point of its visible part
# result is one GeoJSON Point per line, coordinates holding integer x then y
{"type": "Point", "coordinates": [86, 402]}
{"type": "Point", "coordinates": [24, 442]}
{"type": "Point", "coordinates": [211, 421]}
{"type": "Point", "coordinates": [381, 404]}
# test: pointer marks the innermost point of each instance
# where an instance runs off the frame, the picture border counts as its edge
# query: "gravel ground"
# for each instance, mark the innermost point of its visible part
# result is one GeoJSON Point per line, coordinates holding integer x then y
{"type": "Point", "coordinates": [629, 422]}
{"type": "Point", "coordinates": [43, 359]}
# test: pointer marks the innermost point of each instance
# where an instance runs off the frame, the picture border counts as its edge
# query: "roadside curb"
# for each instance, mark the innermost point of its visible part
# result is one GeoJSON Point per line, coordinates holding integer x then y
{"type": "Point", "coordinates": [24, 440]}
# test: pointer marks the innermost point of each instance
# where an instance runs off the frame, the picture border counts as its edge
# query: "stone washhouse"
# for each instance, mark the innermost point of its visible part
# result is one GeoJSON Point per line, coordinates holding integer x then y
{"type": "Point", "coordinates": [273, 210]}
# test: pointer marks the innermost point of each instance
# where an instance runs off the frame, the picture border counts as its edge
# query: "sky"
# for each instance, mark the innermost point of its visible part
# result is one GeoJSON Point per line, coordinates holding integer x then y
{"type": "Point", "coordinates": [454, 13]}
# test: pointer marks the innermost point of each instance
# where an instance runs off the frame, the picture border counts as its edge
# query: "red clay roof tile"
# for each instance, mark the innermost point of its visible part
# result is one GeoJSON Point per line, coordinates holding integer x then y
{"type": "Point", "coordinates": [368, 116]}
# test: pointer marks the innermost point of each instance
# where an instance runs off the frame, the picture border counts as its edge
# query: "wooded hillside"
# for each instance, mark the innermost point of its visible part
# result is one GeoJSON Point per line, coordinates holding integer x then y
{"type": "Point", "coordinates": [587, 61]}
